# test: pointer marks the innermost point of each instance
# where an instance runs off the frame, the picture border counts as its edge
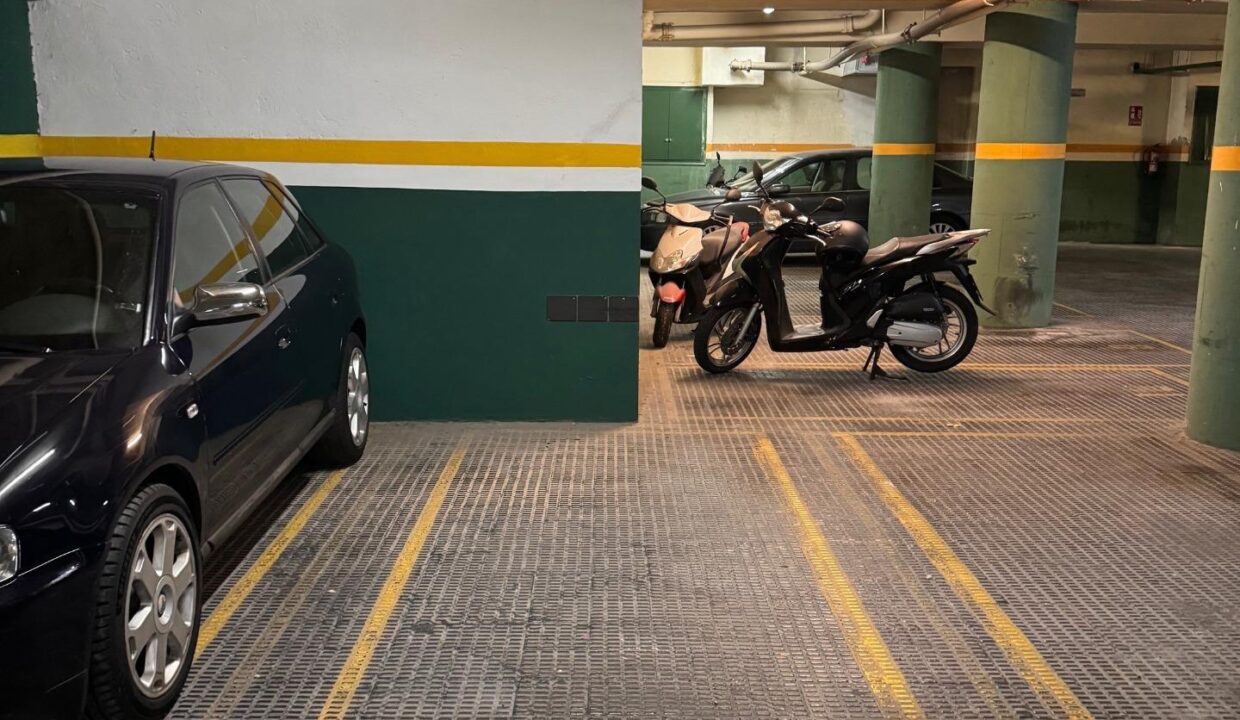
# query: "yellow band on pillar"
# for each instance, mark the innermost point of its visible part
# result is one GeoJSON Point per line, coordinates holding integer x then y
{"type": "Point", "coordinates": [1021, 151]}
{"type": "Point", "coordinates": [1225, 158]}
{"type": "Point", "coordinates": [903, 148]}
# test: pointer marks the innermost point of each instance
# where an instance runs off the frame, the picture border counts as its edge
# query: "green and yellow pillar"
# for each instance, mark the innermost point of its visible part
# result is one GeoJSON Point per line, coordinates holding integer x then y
{"type": "Point", "coordinates": [1214, 384]}
{"type": "Point", "coordinates": [905, 128]}
{"type": "Point", "coordinates": [1022, 130]}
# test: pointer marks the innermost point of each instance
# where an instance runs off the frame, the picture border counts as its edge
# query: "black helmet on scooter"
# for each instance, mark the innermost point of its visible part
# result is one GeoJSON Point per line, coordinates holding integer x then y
{"type": "Point", "coordinates": [844, 242]}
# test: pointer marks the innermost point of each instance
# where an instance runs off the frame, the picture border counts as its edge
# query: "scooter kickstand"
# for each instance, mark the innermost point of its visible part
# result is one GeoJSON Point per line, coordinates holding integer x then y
{"type": "Point", "coordinates": [877, 372]}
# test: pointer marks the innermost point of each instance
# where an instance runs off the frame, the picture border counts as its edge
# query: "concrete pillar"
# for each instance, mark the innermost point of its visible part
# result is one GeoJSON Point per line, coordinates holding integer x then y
{"type": "Point", "coordinates": [1214, 385]}
{"type": "Point", "coordinates": [1022, 129]}
{"type": "Point", "coordinates": [905, 128]}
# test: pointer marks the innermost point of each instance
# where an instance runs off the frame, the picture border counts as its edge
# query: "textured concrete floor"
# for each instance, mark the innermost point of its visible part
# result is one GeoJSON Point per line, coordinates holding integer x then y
{"type": "Point", "coordinates": [1028, 535]}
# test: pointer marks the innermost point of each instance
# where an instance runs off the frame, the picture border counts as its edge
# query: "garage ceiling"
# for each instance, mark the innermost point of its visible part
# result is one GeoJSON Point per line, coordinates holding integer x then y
{"type": "Point", "coordinates": [1152, 6]}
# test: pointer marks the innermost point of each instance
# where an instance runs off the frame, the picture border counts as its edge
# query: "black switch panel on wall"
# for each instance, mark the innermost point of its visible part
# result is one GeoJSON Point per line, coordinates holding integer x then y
{"type": "Point", "coordinates": [591, 308]}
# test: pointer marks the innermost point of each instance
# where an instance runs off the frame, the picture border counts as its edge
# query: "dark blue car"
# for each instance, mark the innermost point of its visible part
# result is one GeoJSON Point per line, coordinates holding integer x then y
{"type": "Point", "coordinates": [174, 338]}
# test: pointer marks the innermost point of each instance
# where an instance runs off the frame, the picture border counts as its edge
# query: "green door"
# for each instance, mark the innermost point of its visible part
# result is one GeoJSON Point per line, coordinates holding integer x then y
{"type": "Point", "coordinates": [673, 124]}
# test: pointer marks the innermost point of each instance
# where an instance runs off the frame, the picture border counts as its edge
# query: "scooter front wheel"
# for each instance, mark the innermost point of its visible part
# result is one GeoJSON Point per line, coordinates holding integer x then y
{"type": "Point", "coordinates": [718, 342]}
{"type": "Point", "coordinates": [663, 318]}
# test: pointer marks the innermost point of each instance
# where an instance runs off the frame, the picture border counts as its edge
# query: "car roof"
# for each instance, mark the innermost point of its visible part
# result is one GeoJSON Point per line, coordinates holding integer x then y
{"type": "Point", "coordinates": [832, 153]}
{"type": "Point", "coordinates": [155, 173]}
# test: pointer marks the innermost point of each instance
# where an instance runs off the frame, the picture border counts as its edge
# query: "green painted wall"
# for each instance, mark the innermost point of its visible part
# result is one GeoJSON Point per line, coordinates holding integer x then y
{"type": "Point", "coordinates": [19, 112]}
{"type": "Point", "coordinates": [454, 286]}
{"type": "Point", "coordinates": [1109, 202]}
{"type": "Point", "coordinates": [1182, 203]}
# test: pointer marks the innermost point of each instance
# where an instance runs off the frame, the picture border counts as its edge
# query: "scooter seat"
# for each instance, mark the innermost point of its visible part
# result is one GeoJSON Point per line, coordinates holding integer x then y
{"type": "Point", "coordinates": [897, 248]}
{"type": "Point", "coordinates": [722, 243]}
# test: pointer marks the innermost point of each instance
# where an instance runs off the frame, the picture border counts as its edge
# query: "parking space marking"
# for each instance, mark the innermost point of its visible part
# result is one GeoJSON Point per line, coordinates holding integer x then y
{"type": "Point", "coordinates": [1071, 309]}
{"type": "Point", "coordinates": [241, 590]}
{"type": "Point", "coordinates": [1019, 650]}
{"type": "Point", "coordinates": [341, 696]}
{"type": "Point", "coordinates": [1162, 342]}
{"type": "Point", "coordinates": [1168, 376]}
{"type": "Point", "coordinates": [886, 680]}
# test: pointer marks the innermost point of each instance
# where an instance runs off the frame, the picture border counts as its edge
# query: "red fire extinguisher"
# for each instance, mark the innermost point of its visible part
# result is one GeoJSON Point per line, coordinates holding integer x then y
{"type": "Point", "coordinates": [1151, 158]}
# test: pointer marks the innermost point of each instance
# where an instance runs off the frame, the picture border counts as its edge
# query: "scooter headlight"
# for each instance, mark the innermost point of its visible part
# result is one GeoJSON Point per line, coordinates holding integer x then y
{"type": "Point", "coordinates": [672, 261]}
{"type": "Point", "coordinates": [772, 219]}
{"type": "Point", "coordinates": [9, 552]}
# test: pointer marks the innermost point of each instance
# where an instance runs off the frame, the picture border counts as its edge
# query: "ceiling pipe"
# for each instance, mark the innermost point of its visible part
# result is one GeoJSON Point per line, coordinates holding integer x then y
{"type": "Point", "coordinates": [954, 14]}
{"type": "Point", "coordinates": [653, 31]}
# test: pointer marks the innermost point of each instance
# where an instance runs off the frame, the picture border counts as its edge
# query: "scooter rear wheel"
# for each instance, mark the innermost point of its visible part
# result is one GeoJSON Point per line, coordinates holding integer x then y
{"type": "Point", "coordinates": [960, 333]}
{"type": "Point", "coordinates": [663, 318]}
{"type": "Point", "coordinates": [716, 345]}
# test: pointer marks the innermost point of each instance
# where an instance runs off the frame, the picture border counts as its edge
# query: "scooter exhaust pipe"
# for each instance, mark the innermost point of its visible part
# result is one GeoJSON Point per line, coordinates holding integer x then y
{"type": "Point", "coordinates": [913, 334]}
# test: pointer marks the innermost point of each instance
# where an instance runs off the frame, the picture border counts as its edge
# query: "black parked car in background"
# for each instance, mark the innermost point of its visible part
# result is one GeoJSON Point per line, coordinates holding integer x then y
{"type": "Point", "coordinates": [174, 337]}
{"type": "Point", "coordinates": [805, 180]}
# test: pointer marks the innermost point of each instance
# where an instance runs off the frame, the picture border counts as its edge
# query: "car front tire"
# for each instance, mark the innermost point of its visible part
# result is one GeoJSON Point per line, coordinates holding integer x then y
{"type": "Point", "coordinates": [147, 609]}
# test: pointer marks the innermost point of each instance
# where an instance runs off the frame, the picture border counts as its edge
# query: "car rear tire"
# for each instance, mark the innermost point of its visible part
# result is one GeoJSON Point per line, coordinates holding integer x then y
{"type": "Point", "coordinates": [941, 223]}
{"type": "Point", "coordinates": [663, 318]}
{"type": "Point", "coordinates": [146, 609]}
{"type": "Point", "coordinates": [346, 437]}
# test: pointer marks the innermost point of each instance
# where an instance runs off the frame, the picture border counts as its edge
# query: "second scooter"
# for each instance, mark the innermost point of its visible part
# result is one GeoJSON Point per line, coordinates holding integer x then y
{"type": "Point", "coordinates": [689, 260]}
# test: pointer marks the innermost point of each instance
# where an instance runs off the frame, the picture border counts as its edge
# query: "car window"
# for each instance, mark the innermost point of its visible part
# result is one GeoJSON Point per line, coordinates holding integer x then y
{"type": "Point", "coordinates": [274, 228]}
{"type": "Point", "coordinates": [211, 245]}
{"type": "Point", "coordinates": [863, 172]}
{"type": "Point", "coordinates": [309, 235]}
{"type": "Point", "coordinates": [74, 266]}
{"type": "Point", "coordinates": [817, 177]}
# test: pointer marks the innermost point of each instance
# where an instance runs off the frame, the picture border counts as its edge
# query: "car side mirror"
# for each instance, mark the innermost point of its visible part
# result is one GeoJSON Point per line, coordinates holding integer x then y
{"type": "Point", "coordinates": [732, 195]}
{"type": "Point", "coordinates": [223, 302]}
{"type": "Point", "coordinates": [649, 183]}
{"type": "Point", "coordinates": [778, 189]}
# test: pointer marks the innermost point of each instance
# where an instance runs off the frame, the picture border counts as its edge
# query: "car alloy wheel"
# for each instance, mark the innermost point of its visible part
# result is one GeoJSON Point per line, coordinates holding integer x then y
{"type": "Point", "coordinates": [160, 605]}
{"type": "Point", "coordinates": [357, 397]}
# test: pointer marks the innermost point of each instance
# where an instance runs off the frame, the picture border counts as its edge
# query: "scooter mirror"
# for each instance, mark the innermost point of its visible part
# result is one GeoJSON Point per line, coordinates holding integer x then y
{"type": "Point", "coordinates": [833, 204]}
{"type": "Point", "coordinates": [649, 183]}
{"type": "Point", "coordinates": [757, 173]}
{"type": "Point", "coordinates": [732, 195]}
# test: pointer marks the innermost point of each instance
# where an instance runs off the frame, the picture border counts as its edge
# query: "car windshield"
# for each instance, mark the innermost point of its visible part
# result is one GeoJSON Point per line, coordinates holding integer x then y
{"type": "Point", "coordinates": [772, 170]}
{"type": "Point", "coordinates": [74, 266]}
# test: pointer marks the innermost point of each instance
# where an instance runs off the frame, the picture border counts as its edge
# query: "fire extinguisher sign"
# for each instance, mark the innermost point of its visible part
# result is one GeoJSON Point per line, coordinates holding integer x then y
{"type": "Point", "coordinates": [1136, 113]}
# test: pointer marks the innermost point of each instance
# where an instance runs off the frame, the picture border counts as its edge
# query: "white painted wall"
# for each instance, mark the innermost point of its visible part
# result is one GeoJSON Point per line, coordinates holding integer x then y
{"type": "Point", "coordinates": [791, 109]}
{"type": "Point", "coordinates": [476, 70]}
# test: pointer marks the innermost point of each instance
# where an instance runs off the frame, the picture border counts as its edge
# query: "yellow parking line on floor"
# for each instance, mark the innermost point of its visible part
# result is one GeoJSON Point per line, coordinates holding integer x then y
{"type": "Point", "coordinates": [1015, 645]}
{"type": "Point", "coordinates": [1169, 376]}
{"type": "Point", "coordinates": [241, 590]}
{"type": "Point", "coordinates": [1162, 342]}
{"type": "Point", "coordinates": [1071, 309]}
{"type": "Point", "coordinates": [337, 703]}
{"type": "Point", "coordinates": [886, 681]}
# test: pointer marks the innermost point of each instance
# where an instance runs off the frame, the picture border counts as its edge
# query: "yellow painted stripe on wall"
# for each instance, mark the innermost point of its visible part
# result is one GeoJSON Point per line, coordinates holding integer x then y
{"type": "Point", "coordinates": [1226, 158]}
{"type": "Point", "coordinates": [19, 146]}
{"type": "Point", "coordinates": [904, 148]}
{"type": "Point", "coordinates": [1021, 151]}
{"type": "Point", "coordinates": [1020, 651]}
{"type": "Point", "coordinates": [329, 151]}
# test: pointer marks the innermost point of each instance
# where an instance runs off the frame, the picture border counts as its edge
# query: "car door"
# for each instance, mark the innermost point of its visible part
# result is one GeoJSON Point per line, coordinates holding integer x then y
{"type": "Point", "coordinates": [243, 373]}
{"type": "Point", "coordinates": [808, 185]}
{"type": "Point", "coordinates": [856, 190]}
{"type": "Point", "coordinates": [315, 352]}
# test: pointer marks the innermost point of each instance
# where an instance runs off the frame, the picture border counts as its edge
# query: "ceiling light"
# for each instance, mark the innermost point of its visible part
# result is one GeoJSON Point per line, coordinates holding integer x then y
{"type": "Point", "coordinates": [768, 10]}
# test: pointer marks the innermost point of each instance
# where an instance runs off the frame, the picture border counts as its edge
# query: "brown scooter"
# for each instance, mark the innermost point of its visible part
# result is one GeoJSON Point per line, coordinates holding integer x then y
{"type": "Point", "coordinates": [689, 260]}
